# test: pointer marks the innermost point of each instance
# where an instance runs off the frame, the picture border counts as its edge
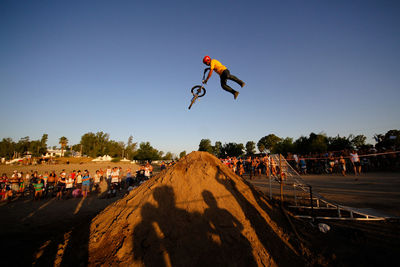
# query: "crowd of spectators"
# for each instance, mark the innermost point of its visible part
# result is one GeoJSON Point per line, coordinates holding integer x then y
{"type": "Point", "coordinates": [345, 162]}
{"type": "Point", "coordinates": [82, 183]}
{"type": "Point", "coordinates": [340, 162]}
{"type": "Point", "coordinates": [251, 166]}
{"type": "Point", "coordinates": [67, 184]}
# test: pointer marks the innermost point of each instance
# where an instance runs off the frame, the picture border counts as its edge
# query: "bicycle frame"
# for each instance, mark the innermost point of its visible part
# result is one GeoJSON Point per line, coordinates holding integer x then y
{"type": "Point", "coordinates": [199, 90]}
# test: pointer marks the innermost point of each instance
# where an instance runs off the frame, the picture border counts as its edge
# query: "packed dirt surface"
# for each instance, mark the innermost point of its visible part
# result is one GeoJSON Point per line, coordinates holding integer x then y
{"type": "Point", "coordinates": [197, 213]}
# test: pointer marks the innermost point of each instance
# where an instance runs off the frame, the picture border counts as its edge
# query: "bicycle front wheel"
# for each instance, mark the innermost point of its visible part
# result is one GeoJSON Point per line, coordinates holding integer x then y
{"type": "Point", "coordinates": [198, 90]}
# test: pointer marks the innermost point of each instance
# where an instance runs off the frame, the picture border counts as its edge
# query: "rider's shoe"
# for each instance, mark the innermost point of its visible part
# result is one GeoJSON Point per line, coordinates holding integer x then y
{"type": "Point", "coordinates": [236, 95]}
{"type": "Point", "coordinates": [243, 84]}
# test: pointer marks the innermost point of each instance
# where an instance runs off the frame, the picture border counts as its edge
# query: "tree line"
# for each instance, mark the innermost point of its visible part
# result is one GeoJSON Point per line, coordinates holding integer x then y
{"type": "Point", "coordinates": [91, 144]}
{"type": "Point", "coordinates": [314, 143]}
{"type": "Point", "coordinates": [100, 144]}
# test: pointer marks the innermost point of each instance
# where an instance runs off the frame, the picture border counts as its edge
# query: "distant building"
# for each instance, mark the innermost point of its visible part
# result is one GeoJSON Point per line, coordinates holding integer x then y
{"type": "Point", "coordinates": [53, 153]}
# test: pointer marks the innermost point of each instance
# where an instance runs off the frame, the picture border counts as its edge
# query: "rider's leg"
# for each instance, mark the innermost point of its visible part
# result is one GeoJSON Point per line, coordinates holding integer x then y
{"type": "Point", "coordinates": [235, 79]}
{"type": "Point", "coordinates": [224, 77]}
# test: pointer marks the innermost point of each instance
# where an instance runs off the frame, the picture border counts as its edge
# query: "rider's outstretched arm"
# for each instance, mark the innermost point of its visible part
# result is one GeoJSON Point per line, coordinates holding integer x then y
{"type": "Point", "coordinates": [209, 76]}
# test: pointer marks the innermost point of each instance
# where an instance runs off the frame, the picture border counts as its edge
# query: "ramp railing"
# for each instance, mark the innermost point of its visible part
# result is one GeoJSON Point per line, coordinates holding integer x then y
{"type": "Point", "coordinates": [306, 202]}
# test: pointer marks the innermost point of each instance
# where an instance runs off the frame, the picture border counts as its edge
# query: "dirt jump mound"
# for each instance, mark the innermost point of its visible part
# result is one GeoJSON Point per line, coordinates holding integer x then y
{"type": "Point", "coordinates": [197, 213]}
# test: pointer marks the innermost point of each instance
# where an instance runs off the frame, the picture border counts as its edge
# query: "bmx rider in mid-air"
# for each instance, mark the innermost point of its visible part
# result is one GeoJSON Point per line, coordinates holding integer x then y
{"type": "Point", "coordinates": [223, 73]}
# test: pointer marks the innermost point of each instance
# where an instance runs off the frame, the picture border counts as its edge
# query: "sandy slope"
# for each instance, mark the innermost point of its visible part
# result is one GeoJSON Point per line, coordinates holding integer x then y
{"type": "Point", "coordinates": [196, 213]}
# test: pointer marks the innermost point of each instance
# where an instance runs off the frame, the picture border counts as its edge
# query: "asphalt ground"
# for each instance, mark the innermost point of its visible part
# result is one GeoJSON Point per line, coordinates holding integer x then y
{"type": "Point", "coordinates": [378, 192]}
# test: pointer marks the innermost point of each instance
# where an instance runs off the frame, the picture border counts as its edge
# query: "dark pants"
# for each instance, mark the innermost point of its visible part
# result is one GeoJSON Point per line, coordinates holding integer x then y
{"type": "Point", "coordinates": [226, 75]}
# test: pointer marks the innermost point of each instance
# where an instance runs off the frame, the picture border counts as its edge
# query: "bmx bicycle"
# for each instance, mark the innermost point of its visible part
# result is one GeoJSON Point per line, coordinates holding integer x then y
{"type": "Point", "coordinates": [198, 90]}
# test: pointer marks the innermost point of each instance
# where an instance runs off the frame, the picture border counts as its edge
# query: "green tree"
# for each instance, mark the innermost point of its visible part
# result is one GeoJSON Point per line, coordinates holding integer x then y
{"type": "Point", "coordinates": [34, 148]}
{"type": "Point", "coordinates": [114, 148]}
{"type": "Point", "coordinates": [391, 140]}
{"type": "Point", "coordinates": [205, 145]}
{"type": "Point", "coordinates": [98, 144]}
{"type": "Point", "coordinates": [302, 145]}
{"type": "Point", "coordinates": [43, 144]}
{"type": "Point", "coordinates": [358, 141]}
{"type": "Point", "coordinates": [232, 150]}
{"type": "Point", "coordinates": [217, 148]}
{"type": "Point", "coordinates": [250, 148]}
{"type": "Point", "coordinates": [146, 152]}
{"type": "Point", "coordinates": [76, 147]}
{"type": "Point", "coordinates": [23, 145]}
{"type": "Point", "coordinates": [7, 148]}
{"type": "Point", "coordinates": [284, 146]}
{"type": "Point", "coordinates": [102, 144]}
{"type": "Point", "coordinates": [88, 142]}
{"type": "Point", "coordinates": [63, 141]}
{"type": "Point", "coordinates": [318, 143]}
{"type": "Point", "coordinates": [268, 143]}
{"type": "Point", "coordinates": [339, 143]}
{"type": "Point", "coordinates": [182, 154]}
{"type": "Point", "coordinates": [168, 156]}
{"type": "Point", "coordinates": [130, 148]}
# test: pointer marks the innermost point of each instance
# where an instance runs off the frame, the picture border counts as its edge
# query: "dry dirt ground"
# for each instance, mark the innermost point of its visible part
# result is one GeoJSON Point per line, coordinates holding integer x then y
{"type": "Point", "coordinates": [56, 232]}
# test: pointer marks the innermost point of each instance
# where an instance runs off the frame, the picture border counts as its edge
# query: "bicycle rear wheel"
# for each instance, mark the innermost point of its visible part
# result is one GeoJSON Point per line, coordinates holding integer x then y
{"type": "Point", "coordinates": [197, 88]}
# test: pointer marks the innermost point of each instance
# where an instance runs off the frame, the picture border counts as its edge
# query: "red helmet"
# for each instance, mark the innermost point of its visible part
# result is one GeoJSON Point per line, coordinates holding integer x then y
{"type": "Point", "coordinates": [206, 60]}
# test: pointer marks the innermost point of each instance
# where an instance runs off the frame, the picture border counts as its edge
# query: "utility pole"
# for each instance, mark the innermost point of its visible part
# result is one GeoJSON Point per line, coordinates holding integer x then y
{"type": "Point", "coordinates": [280, 174]}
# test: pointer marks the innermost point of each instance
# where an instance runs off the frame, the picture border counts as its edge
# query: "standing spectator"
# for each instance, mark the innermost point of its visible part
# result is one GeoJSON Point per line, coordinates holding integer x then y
{"type": "Point", "coordinates": [51, 183]}
{"type": "Point", "coordinates": [128, 178]}
{"type": "Point", "coordinates": [241, 168]}
{"type": "Point", "coordinates": [4, 187]}
{"type": "Point", "coordinates": [266, 160]}
{"type": "Point", "coordinates": [69, 186]}
{"type": "Point", "coordinates": [63, 175]}
{"type": "Point", "coordinates": [21, 182]}
{"type": "Point", "coordinates": [234, 164]}
{"type": "Point", "coordinates": [247, 165]}
{"type": "Point", "coordinates": [27, 179]}
{"type": "Point", "coordinates": [96, 180]}
{"type": "Point", "coordinates": [78, 181]}
{"type": "Point", "coordinates": [273, 166]}
{"type": "Point", "coordinates": [85, 183]}
{"type": "Point", "coordinates": [61, 185]}
{"type": "Point", "coordinates": [342, 163]}
{"type": "Point", "coordinates": [296, 162]}
{"type": "Point", "coordinates": [150, 168]}
{"type": "Point", "coordinates": [108, 174]}
{"type": "Point", "coordinates": [73, 175]}
{"type": "Point", "coordinates": [115, 175]}
{"type": "Point", "coordinates": [101, 173]}
{"type": "Point", "coordinates": [14, 182]}
{"type": "Point", "coordinates": [163, 166]}
{"type": "Point", "coordinates": [355, 161]}
{"type": "Point", "coordinates": [146, 172]}
{"type": "Point", "coordinates": [303, 165]}
{"type": "Point", "coordinates": [38, 189]}
{"type": "Point", "coordinates": [331, 163]}
{"type": "Point", "coordinates": [45, 179]}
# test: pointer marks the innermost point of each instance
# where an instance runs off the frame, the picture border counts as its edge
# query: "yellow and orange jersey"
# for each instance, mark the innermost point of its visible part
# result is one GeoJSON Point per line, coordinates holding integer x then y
{"type": "Point", "coordinates": [217, 66]}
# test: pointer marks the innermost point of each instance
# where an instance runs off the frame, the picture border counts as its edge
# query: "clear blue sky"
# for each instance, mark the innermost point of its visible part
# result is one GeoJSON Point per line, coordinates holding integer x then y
{"type": "Point", "coordinates": [126, 68]}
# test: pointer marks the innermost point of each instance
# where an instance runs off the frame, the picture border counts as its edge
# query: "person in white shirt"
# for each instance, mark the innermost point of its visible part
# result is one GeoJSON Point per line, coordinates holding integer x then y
{"type": "Point", "coordinates": [115, 175]}
{"type": "Point", "coordinates": [78, 180]}
{"type": "Point", "coordinates": [355, 160]}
